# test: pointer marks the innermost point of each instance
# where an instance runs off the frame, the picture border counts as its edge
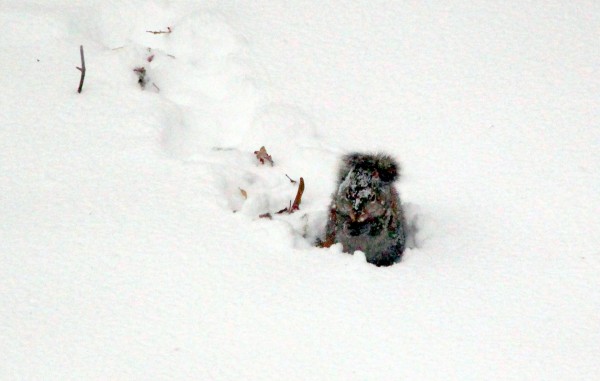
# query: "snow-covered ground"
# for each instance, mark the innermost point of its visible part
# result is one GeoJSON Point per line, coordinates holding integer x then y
{"type": "Point", "coordinates": [129, 252]}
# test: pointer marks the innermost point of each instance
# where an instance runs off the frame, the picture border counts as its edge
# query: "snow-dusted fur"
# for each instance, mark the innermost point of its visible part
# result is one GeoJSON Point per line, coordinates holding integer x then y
{"type": "Point", "coordinates": [366, 213]}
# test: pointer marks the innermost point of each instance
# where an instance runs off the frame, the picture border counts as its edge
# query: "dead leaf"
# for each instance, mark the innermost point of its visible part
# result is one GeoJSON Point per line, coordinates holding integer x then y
{"type": "Point", "coordinates": [298, 199]}
{"type": "Point", "coordinates": [263, 157]}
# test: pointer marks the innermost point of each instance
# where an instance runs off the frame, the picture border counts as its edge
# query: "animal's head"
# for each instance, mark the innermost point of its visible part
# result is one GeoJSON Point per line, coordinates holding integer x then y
{"type": "Point", "coordinates": [365, 193]}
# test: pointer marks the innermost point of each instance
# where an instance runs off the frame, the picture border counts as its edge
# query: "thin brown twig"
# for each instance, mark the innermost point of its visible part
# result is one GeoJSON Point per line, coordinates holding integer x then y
{"type": "Point", "coordinates": [296, 204]}
{"type": "Point", "coordinates": [287, 209]}
{"type": "Point", "coordinates": [169, 30]}
{"type": "Point", "coordinates": [81, 69]}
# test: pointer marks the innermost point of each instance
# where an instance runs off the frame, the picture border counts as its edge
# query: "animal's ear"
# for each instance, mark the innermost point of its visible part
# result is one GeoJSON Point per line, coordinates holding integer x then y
{"type": "Point", "coordinates": [387, 168]}
{"type": "Point", "coordinates": [384, 166]}
{"type": "Point", "coordinates": [348, 162]}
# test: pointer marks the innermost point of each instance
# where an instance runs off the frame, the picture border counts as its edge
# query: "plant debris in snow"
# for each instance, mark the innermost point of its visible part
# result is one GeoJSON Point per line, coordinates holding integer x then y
{"type": "Point", "coordinates": [263, 157]}
{"type": "Point", "coordinates": [81, 69]}
{"type": "Point", "coordinates": [296, 204]}
{"type": "Point", "coordinates": [141, 73]}
{"type": "Point", "coordinates": [169, 30]}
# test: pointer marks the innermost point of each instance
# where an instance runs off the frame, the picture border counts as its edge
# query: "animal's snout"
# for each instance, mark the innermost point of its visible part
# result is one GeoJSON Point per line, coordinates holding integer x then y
{"type": "Point", "coordinates": [358, 215]}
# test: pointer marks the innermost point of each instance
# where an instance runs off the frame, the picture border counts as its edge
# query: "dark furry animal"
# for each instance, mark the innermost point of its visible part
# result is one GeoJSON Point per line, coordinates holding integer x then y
{"type": "Point", "coordinates": [365, 212]}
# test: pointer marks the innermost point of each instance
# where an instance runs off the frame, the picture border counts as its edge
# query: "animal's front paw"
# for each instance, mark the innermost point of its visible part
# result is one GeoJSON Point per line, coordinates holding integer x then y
{"type": "Point", "coordinates": [383, 261]}
{"type": "Point", "coordinates": [324, 243]}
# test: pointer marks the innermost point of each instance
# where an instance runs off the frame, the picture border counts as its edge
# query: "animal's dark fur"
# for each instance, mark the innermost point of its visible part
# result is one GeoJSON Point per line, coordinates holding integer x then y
{"type": "Point", "coordinates": [366, 213]}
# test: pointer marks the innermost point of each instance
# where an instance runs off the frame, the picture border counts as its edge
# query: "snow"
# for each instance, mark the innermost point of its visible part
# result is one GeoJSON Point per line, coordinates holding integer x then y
{"type": "Point", "coordinates": [128, 250]}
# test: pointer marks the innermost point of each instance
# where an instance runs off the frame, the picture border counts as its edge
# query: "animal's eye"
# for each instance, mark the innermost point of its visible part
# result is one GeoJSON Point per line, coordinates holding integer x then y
{"type": "Point", "coordinates": [372, 198]}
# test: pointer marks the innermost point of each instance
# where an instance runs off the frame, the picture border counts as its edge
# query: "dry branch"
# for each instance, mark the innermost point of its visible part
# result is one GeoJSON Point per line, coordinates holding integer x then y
{"type": "Point", "coordinates": [169, 30]}
{"type": "Point", "coordinates": [296, 204]}
{"type": "Point", "coordinates": [287, 209]}
{"type": "Point", "coordinates": [81, 69]}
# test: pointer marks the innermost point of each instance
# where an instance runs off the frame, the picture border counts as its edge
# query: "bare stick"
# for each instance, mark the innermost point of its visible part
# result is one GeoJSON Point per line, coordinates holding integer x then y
{"type": "Point", "coordinates": [81, 69]}
{"type": "Point", "coordinates": [169, 30]}
{"type": "Point", "coordinates": [287, 209]}
{"type": "Point", "coordinates": [291, 181]}
{"type": "Point", "coordinates": [296, 204]}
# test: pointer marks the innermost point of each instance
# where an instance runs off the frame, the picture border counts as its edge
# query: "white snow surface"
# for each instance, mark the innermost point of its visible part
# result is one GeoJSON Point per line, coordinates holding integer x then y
{"type": "Point", "coordinates": [128, 252]}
